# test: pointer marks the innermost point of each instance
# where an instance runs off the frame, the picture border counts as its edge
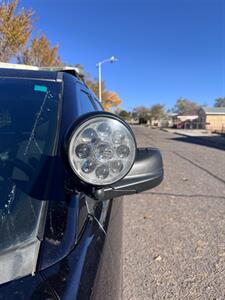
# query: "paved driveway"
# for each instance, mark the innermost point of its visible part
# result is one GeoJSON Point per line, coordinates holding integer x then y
{"type": "Point", "coordinates": [174, 235]}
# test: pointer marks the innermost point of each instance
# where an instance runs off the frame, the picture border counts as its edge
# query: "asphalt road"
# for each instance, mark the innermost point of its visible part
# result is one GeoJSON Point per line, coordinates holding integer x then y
{"type": "Point", "coordinates": [174, 235]}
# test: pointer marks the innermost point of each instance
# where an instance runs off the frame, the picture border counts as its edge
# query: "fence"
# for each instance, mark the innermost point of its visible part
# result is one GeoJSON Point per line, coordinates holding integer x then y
{"type": "Point", "coordinates": [217, 128]}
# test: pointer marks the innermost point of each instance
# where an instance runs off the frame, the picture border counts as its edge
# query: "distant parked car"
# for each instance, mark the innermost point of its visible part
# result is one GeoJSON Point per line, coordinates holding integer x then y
{"type": "Point", "coordinates": [62, 162]}
{"type": "Point", "coordinates": [180, 126]}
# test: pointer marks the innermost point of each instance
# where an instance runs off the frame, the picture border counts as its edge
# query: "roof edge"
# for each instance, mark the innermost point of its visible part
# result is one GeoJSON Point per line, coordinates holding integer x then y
{"type": "Point", "coordinates": [72, 70]}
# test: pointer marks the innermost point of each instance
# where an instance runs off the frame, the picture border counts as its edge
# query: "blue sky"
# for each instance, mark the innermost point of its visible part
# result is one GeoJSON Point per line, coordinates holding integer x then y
{"type": "Point", "coordinates": [166, 48]}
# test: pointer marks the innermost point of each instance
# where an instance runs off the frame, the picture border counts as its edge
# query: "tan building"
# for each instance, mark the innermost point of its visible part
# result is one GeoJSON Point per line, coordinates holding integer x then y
{"type": "Point", "coordinates": [212, 118]}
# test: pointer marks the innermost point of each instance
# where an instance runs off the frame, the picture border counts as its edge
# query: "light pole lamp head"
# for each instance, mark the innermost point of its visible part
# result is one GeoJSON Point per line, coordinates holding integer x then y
{"type": "Point", "coordinates": [113, 59]}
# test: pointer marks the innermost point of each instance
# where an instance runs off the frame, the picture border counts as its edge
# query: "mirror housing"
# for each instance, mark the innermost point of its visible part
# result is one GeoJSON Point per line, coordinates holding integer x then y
{"type": "Point", "coordinates": [146, 173]}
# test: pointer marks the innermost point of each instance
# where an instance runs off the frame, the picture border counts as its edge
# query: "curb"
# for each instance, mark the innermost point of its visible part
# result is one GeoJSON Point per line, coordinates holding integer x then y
{"type": "Point", "coordinates": [204, 139]}
{"type": "Point", "coordinates": [164, 129]}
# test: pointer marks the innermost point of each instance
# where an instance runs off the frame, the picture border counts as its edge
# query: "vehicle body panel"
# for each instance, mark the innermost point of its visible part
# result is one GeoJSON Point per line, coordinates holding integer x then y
{"type": "Point", "coordinates": [82, 238]}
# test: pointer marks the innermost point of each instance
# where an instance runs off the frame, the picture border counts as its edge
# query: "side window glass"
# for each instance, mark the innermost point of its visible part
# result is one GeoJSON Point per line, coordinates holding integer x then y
{"type": "Point", "coordinates": [98, 104]}
{"type": "Point", "coordinates": [84, 101]}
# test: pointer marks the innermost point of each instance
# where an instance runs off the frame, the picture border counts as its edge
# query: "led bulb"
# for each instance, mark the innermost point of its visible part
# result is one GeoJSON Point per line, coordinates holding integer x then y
{"type": "Point", "coordinates": [104, 151]}
{"type": "Point", "coordinates": [89, 135]}
{"type": "Point", "coordinates": [83, 150]}
{"type": "Point", "coordinates": [123, 151]}
{"type": "Point", "coordinates": [118, 136]}
{"type": "Point", "coordinates": [102, 171]}
{"type": "Point", "coordinates": [88, 166]}
{"type": "Point", "coordinates": [116, 166]}
{"type": "Point", "coordinates": [104, 130]}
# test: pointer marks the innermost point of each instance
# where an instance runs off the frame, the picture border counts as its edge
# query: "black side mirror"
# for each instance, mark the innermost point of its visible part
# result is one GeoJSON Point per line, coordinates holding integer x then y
{"type": "Point", "coordinates": [146, 173]}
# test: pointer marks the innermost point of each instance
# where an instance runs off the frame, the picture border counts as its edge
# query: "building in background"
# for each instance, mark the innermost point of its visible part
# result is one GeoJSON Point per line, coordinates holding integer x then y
{"type": "Point", "coordinates": [212, 118]}
{"type": "Point", "coordinates": [185, 120]}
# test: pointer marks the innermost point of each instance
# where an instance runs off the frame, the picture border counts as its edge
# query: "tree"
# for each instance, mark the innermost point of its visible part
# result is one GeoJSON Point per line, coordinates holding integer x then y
{"type": "Point", "coordinates": [124, 114]}
{"type": "Point", "coordinates": [186, 106]}
{"type": "Point", "coordinates": [157, 112]}
{"type": "Point", "coordinates": [40, 53]}
{"type": "Point", "coordinates": [141, 109]}
{"type": "Point", "coordinates": [117, 110]}
{"type": "Point", "coordinates": [143, 113]}
{"type": "Point", "coordinates": [220, 102]}
{"type": "Point", "coordinates": [109, 99]}
{"type": "Point", "coordinates": [15, 29]}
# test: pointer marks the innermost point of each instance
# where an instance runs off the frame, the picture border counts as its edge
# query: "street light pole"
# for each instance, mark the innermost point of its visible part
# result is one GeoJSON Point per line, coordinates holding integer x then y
{"type": "Point", "coordinates": [100, 82]}
{"type": "Point", "coordinates": [99, 66]}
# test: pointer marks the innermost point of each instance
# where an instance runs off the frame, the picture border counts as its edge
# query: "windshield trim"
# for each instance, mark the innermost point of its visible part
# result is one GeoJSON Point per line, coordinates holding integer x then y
{"type": "Point", "coordinates": [45, 207]}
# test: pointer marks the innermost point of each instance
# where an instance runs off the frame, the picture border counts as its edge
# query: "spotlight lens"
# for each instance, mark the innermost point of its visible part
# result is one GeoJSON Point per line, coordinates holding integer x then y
{"type": "Point", "coordinates": [88, 166]}
{"type": "Point", "coordinates": [102, 171]}
{"type": "Point", "coordinates": [89, 135]}
{"type": "Point", "coordinates": [104, 130]}
{"type": "Point", "coordinates": [101, 150]}
{"type": "Point", "coordinates": [104, 152]}
{"type": "Point", "coordinates": [116, 166]}
{"type": "Point", "coordinates": [83, 150]}
{"type": "Point", "coordinates": [118, 137]}
{"type": "Point", "coordinates": [123, 151]}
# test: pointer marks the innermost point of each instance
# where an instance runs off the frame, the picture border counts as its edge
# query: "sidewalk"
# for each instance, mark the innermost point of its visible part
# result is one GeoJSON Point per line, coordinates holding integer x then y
{"type": "Point", "coordinates": [199, 134]}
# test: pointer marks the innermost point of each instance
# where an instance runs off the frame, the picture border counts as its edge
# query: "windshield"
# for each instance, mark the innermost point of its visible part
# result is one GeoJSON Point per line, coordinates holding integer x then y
{"type": "Point", "coordinates": [28, 121]}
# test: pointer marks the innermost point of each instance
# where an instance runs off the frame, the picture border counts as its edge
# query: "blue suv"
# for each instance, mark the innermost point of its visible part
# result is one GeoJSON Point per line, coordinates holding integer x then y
{"type": "Point", "coordinates": [64, 165]}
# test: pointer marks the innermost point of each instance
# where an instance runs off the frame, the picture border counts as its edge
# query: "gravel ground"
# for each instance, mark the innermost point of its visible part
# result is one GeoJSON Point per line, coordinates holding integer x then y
{"type": "Point", "coordinates": [174, 235]}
